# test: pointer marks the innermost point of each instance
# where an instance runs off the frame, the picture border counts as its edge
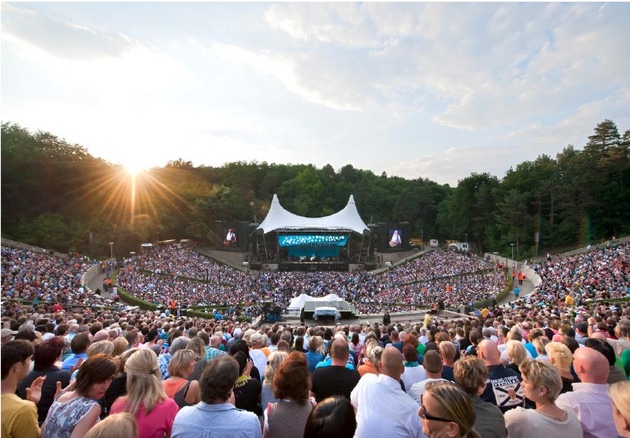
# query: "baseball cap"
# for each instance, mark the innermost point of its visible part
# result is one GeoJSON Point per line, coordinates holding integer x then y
{"type": "Point", "coordinates": [255, 338]}
{"type": "Point", "coordinates": [8, 332]}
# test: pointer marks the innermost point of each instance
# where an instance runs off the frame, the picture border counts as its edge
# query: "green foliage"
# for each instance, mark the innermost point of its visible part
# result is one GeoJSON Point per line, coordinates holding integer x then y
{"type": "Point", "coordinates": [56, 195]}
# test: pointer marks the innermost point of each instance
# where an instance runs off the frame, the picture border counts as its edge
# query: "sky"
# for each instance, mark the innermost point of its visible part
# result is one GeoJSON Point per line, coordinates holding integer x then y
{"type": "Point", "coordinates": [416, 90]}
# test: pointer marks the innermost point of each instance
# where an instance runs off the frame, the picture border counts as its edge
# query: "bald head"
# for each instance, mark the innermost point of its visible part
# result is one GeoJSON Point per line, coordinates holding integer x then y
{"type": "Point", "coordinates": [489, 352]}
{"type": "Point", "coordinates": [590, 365]}
{"type": "Point", "coordinates": [392, 363]}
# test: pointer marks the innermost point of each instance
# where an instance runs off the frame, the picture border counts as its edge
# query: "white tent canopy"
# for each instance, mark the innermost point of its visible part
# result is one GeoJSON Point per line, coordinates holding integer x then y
{"type": "Point", "coordinates": [297, 303]}
{"type": "Point", "coordinates": [346, 219]}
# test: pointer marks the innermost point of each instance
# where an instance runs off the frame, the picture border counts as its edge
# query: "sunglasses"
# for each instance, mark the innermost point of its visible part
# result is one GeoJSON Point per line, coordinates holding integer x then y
{"type": "Point", "coordinates": [424, 415]}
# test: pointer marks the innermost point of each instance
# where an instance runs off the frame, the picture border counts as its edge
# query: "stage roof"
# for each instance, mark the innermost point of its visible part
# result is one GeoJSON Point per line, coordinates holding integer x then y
{"type": "Point", "coordinates": [347, 219]}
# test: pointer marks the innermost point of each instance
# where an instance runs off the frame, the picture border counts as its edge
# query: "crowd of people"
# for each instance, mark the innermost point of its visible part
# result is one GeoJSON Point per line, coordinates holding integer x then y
{"type": "Point", "coordinates": [555, 361]}
{"type": "Point", "coordinates": [178, 273]}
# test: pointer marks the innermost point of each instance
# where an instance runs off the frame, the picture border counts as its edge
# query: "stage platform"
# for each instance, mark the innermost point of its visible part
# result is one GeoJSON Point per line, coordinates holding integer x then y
{"type": "Point", "coordinates": [346, 311]}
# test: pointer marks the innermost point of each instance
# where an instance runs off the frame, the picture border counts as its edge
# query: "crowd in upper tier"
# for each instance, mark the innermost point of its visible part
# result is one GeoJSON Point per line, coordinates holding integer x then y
{"type": "Point", "coordinates": [180, 274]}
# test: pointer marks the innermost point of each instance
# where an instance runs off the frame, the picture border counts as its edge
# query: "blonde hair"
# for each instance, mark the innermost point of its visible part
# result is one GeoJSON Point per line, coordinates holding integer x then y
{"type": "Point", "coordinates": [105, 347]}
{"type": "Point", "coordinates": [540, 343]}
{"type": "Point", "coordinates": [275, 359]}
{"type": "Point", "coordinates": [454, 405]}
{"type": "Point", "coordinates": [120, 346]}
{"type": "Point", "coordinates": [197, 345]}
{"type": "Point", "coordinates": [561, 355]}
{"type": "Point", "coordinates": [543, 373]}
{"type": "Point", "coordinates": [316, 343]}
{"type": "Point", "coordinates": [620, 395]}
{"type": "Point", "coordinates": [180, 361]}
{"type": "Point", "coordinates": [516, 352]}
{"type": "Point", "coordinates": [144, 382]}
{"type": "Point", "coordinates": [121, 425]}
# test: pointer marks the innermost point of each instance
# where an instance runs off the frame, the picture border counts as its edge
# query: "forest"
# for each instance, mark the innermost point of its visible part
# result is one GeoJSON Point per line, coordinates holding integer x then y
{"type": "Point", "coordinates": [57, 196]}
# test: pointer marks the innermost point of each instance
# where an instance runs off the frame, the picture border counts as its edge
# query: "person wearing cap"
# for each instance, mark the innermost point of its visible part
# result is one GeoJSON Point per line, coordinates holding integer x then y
{"type": "Point", "coordinates": [7, 335]}
{"type": "Point", "coordinates": [255, 352]}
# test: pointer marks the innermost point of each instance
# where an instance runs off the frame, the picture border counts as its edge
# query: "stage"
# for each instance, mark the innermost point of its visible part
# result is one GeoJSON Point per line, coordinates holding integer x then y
{"type": "Point", "coordinates": [335, 310]}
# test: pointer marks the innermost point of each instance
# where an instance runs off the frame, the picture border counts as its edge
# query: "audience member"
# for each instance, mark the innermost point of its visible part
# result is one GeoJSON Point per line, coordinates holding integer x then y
{"type": "Point", "coordinates": [19, 416]}
{"type": "Point", "coordinates": [471, 375]}
{"type": "Point", "coordinates": [447, 411]}
{"type": "Point", "coordinates": [382, 409]}
{"type": "Point", "coordinates": [291, 384]}
{"type": "Point", "coordinates": [589, 399]}
{"type": "Point", "coordinates": [332, 418]}
{"type": "Point", "coordinates": [542, 384]}
{"type": "Point", "coordinates": [216, 414]}
{"type": "Point", "coordinates": [73, 413]}
{"type": "Point", "coordinates": [145, 399]}
{"type": "Point", "coordinates": [335, 379]}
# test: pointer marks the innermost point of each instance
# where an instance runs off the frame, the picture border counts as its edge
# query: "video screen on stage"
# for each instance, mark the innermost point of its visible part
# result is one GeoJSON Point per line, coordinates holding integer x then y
{"type": "Point", "coordinates": [396, 237]}
{"type": "Point", "coordinates": [230, 239]}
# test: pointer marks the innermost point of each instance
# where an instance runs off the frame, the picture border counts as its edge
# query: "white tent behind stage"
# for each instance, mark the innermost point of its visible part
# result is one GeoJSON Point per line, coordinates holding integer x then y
{"type": "Point", "coordinates": [297, 303]}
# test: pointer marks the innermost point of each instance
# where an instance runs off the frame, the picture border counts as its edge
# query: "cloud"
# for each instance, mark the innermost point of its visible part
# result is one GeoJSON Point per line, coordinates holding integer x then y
{"type": "Point", "coordinates": [61, 38]}
{"type": "Point", "coordinates": [316, 79]}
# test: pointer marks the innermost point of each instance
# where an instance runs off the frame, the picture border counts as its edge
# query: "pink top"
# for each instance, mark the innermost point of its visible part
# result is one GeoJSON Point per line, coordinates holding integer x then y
{"type": "Point", "coordinates": [157, 423]}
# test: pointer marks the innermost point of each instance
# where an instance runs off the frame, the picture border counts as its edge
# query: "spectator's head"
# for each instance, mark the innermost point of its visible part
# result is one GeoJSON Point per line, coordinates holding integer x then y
{"type": "Point", "coordinates": [410, 354]}
{"type": "Point", "coordinates": [80, 343]}
{"type": "Point", "coordinates": [375, 355]}
{"type": "Point", "coordinates": [95, 376]}
{"type": "Point", "coordinates": [471, 374]}
{"type": "Point", "coordinates": [392, 363]}
{"type": "Point", "coordinates": [541, 381]}
{"type": "Point", "coordinates": [120, 346]}
{"type": "Point", "coordinates": [239, 346]}
{"type": "Point", "coordinates": [433, 362]}
{"type": "Point", "coordinates": [121, 425]}
{"type": "Point", "coordinates": [559, 355]}
{"type": "Point", "coordinates": [292, 379]}
{"type": "Point", "coordinates": [620, 398]}
{"type": "Point", "coordinates": [447, 351]}
{"type": "Point", "coordinates": [101, 335]}
{"type": "Point", "coordinates": [475, 336]}
{"type": "Point", "coordinates": [47, 353]}
{"type": "Point", "coordinates": [590, 365]}
{"type": "Point", "coordinates": [603, 347]}
{"type": "Point", "coordinates": [340, 351]}
{"type": "Point", "coordinates": [197, 345]}
{"type": "Point", "coordinates": [315, 343]}
{"type": "Point", "coordinates": [275, 359]}
{"type": "Point", "coordinates": [16, 358]}
{"type": "Point", "coordinates": [144, 381]}
{"type": "Point", "coordinates": [516, 352]}
{"type": "Point", "coordinates": [332, 418]}
{"type": "Point", "coordinates": [218, 379]}
{"type": "Point", "coordinates": [446, 411]}
{"type": "Point", "coordinates": [489, 352]}
{"type": "Point", "coordinates": [182, 363]}
{"type": "Point", "coordinates": [283, 346]}
{"type": "Point", "coordinates": [101, 347]}
{"type": "Point", "coordinates": [539, 344]}
{"type": "Point", "coordinates": [179, 343]}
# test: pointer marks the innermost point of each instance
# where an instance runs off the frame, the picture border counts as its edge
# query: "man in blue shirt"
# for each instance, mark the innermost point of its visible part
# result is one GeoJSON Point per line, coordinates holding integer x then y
{"type": "Point", "coordinates": [79, 345]}
{"type": "Point", "coordinates": [216, 414]}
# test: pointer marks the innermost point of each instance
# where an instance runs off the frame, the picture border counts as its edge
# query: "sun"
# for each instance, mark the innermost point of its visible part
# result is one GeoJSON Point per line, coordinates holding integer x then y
{"type": "Point", "coordinates": [134, 167]}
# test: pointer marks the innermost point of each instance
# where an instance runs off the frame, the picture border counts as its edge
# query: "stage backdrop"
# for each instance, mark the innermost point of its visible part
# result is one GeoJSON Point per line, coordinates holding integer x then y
{"type": "Point", "coordinates": [313, 245]}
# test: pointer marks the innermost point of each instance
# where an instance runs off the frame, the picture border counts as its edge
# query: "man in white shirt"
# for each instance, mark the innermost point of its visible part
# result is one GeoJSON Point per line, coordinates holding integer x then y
{"type": "Point", "coordinates": [383, 408]}
{"type": "Point", "coordinates": [433, 367]}
{"type": "Point", "coordinates": [589, 399]}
